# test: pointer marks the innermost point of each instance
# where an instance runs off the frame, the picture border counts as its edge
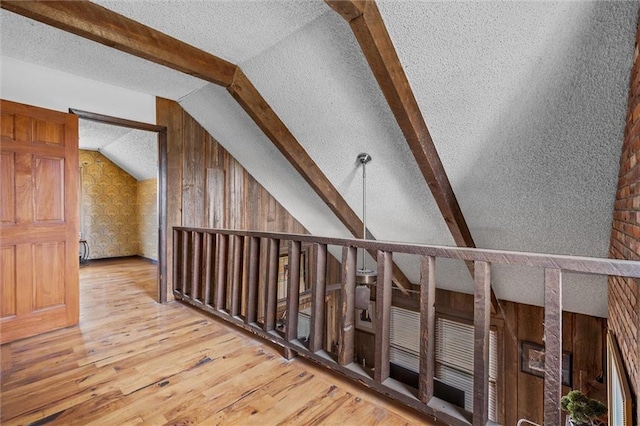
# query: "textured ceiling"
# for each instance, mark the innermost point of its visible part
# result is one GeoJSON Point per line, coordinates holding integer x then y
{"type": "Point", "coordinates": [525, 103]}
{"type": "Point", "coordinates": [40, 44]}
{"type": "Point", "coordinates": [135, 151]}
{"type": "Point", "coordinates": [232, 30]}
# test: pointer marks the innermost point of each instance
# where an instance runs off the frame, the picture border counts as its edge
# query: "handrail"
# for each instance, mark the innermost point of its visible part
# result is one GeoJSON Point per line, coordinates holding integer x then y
{"type": "Point", "coordinates": [234, 275]}
{"type": "Point", "coordinates": [570, 263]}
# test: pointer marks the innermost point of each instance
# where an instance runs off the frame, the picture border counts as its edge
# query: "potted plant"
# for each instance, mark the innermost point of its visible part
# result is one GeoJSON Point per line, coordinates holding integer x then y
{"type": "Point", "coordinates": [582, 409]}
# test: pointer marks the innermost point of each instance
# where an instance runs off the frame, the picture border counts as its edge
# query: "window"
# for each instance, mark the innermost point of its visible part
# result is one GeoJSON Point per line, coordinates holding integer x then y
{"type": "Point", "coordinates": [454, 356]}
{"type": "Point", "coordinates": [454, 360]}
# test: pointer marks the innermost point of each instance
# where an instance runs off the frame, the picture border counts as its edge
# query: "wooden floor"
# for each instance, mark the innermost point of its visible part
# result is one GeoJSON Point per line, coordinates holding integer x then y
{"type": "Point", "coordinates": [133, 361]}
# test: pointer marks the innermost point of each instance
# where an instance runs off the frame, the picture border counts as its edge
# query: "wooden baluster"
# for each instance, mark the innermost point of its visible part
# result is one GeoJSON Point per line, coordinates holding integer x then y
{"type": "Point", "coordinates": [319, 288]}
{"type": "Point", "coordinates": [553, 345]}
{"type": "Point", "coordinates": [244, 274]}
{"type": "Point", "coordinates": [209, 252]}
{"type": "Point", "coordinates": [293, 295]}
{"type": "Point", "coordinates": [221, 272]}
{"type": "Point", "coordinates": [252, 281]}
{"type": "Point", "coordinates": [271, 299]}
{"type": "Point", "coordinates": [236, 283]}
{"type": "Point", "coordinates": [293, 290]}
{"type": "Point", "coordinates": [263, 277]}
{"type": "Point", "coordinates": [427, 327]}
{"type": "Point", "coordinates": [196, 275]}
{"type": "Point", "coordinates": [347, 296]}
{"type": "Point", "coordinates": [481, 322]}
{"type": "Point", "coordinates": [383, 316]}
{"type": "Point", "coordinates": [185, 263]}
{"type": "Point", "coordinates": [177, 254]}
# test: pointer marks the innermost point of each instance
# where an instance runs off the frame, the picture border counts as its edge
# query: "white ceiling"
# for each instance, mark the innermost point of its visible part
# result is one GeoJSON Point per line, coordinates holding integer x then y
{"type": "Point", "coordinates": [135, 151]}
{"type": "Point", "coordinates": [525, 102]}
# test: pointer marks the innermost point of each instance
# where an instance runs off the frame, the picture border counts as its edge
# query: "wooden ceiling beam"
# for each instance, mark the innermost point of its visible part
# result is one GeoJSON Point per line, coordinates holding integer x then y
{"type": "Point", "coordinates": [369, 29]}
{"type": "Point", "coordinates": [104, 26]}
{"type": "Point", "coordinates": [245, 93]}
{"type": "Point", "coordinates": [250, 99]}
{"type": "Point", "coordinates": [92, 21]}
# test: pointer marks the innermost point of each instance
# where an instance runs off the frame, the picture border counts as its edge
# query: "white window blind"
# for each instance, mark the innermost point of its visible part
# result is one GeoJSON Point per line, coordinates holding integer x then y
{"type": "Point", "coordinates": [454, 360]}
{"type": "Point", "coordinates": [454, 353]}
{"type": "Point", "coordinates": [405, 339]}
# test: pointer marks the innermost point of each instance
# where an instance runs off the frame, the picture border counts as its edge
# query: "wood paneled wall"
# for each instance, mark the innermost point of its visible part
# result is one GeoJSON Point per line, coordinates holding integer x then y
{"type": "Point", "coordinates": [207, 187]}
{"type": "Point", "coordinates": [583, 337]}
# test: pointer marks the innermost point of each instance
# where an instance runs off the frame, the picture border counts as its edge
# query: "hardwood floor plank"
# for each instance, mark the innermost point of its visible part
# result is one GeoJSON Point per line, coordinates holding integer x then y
{"type": "Point", "coordinates": [132, 361]}
{"type": "Point", "coordinates": [314, 411]}
{"type": "Point", "coordinates": [47, 401]}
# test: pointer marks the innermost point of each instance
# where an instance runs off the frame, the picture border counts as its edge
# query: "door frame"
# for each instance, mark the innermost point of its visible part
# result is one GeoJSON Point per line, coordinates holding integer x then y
{"type": "Point", "coordinates": [162, 185]}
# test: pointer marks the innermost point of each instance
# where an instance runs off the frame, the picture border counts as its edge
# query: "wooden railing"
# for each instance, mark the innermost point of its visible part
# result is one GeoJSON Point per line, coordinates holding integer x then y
{"type": "Point", "coordinates": [227, 273]}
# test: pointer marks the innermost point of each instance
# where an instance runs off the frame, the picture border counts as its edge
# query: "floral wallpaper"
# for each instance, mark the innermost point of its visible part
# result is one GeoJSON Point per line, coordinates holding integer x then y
{"type": "Point", "coordinates": [108, 219]}
{"type": "Point", "coordinates": [147, 214]}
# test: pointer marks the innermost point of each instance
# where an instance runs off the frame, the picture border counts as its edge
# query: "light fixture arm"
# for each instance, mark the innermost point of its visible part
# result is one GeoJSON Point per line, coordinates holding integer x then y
{"type": "Point", "coordinates": [364, 277]}
{"type": "Point", "coordinates": [364, 158]}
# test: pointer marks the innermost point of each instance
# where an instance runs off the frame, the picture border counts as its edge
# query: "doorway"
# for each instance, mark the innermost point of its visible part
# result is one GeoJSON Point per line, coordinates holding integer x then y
{"type": "Point", "coordinates": [122, 168]}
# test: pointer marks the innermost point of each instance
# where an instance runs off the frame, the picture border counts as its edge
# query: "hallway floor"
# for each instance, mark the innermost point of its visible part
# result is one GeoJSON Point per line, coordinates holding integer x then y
{"type": "Point", "coordinates": [134, 361]}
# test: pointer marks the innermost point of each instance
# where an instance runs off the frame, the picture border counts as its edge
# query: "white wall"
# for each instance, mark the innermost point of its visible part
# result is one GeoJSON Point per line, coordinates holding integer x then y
{"type": "Point", "coordinates": [47, 88]}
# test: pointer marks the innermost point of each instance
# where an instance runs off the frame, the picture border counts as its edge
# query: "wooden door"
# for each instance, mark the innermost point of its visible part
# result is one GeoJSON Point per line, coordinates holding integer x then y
{"type": "Point", "coordinates": [38, 221]}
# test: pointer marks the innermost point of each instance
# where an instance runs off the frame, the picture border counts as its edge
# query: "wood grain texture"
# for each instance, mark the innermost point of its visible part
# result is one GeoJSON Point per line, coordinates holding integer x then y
{"type": "Point", "coordinates": [256, 106]}
{"type": "Point", "coordinates": [8, 125]}
{"type": "Point", "coordinates": [47, 132]}
{"type": "Point", "coordinates": [455, 305]}
{"type": "Point", "coordinates": [222, 252]}
{"type": "Point", "coordinates": [427, 327]}
{"type": "Point", "coordinates": [271, 298]}
{"type": "Point", "coordinates": [347, 306]}
{"type": "Point", "coordinates": [553, 346]}
{"type": "Point", "coordinates": [97, 23]}
{"type": "Point", "coordinates": [582, 337]}
{"type": "Point", "coordinates": [170, 115]}
{"type": "Point", "coordinates": [48, 274]}
{"type": "Point", "coordinates": [117, 121]}
{"type": "Point", "coordinates": [104, 26]}
{"type": "Point", "coordinates": [236, 275]}
{"type": "Point", "coordinates": [132, 360]}
{"type": "Point", "coordinates": [8, 281]}
{"type": "Point", "coordinates": [40, 221]}
{"type": "Point", "coordinates": [49, 202]}
{"type": "Point", "coordinates": [581, 264]}
{"type": "Point", "coordinates": [208, 264]}
{"type": "Point", "coordinates": [293, 290]}
{"type": "Point", "coordinates": [201, 175]}
{"type": "Point", "coordinates": [265, 117]}
{"type": "Point", "coordinates": [318, 289]}
{"type": "Point", "coordinates": [371, 32]}
{"type": "Point", "coordinates": [349, 9]}
{"type": "Point", "coordinates": [251, 301]}
{"type": "Point", "coordinates": [481, 322]}
{"type": "Point", "coordinates": [7, 187]}
{"type": "Point", "coordinates": [383, 317]}
{"type": "Point", "coordinates": [197, 266]}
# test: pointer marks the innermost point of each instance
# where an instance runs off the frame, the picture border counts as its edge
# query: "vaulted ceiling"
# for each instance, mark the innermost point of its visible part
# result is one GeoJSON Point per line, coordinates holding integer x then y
{"type": "Point", "coordinates": [525, 103]}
